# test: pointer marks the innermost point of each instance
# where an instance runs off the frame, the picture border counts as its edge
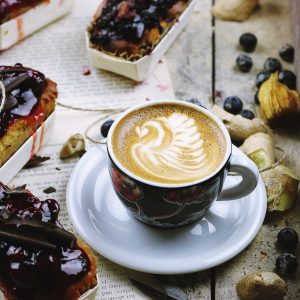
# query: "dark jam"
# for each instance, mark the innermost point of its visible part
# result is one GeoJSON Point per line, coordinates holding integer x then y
{"type": "Point", "coordinates": [10, 9]}
{"type": "Point", "coordinates": [23, 99]}
{"type": "Point", "coordinates": [29, 272]}
{"type": "Point", "coordinates": [129, 20]}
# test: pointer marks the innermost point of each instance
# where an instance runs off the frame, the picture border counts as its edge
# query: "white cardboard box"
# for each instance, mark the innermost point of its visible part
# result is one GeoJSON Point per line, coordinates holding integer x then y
{"type": "Point", "coordinates": [15, 30]}
{"type": "Point", "coordinates": [27, 150]}
{"type": "Point", "coordinates": [140, 69]}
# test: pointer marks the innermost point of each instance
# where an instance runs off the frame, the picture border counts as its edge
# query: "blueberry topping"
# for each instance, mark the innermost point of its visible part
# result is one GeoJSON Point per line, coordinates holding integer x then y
{"type": "Point", "coordinates": [287, 52]}
{"type": "Point", "coordinates": [286, 263]}
{"type": "Point", "coordinates": [29, 268]}
{"type": "Point", "coordinates": [105, 127]}
{"type": "Point", "coordinates": [233, 105]}
{"type": "Point", "coordinates": [248, 114]}
{"type": "Point", "coordinates": [287, 238]}
{"type": "Point", "coordinates": [24, 87]}
{"type": "Point", "coordinates": [248, 42]}
{"type": "Point", "coordinates": [256, 99]}
{"type": "Point", "coordinates": [261, 77]}
{"type": "Point", "coordinates": [125, 22]}
{"type": "Point", "coordinates": [244, 63]}
{"type": "Point", "coordinates": [272, 65]}
{"type": "Point", "coordinates": [288, 78]}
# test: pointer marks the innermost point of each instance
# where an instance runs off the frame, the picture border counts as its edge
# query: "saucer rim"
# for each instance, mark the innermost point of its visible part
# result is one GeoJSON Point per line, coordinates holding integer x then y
{"type": "Point", "coordinates": [155, 268]}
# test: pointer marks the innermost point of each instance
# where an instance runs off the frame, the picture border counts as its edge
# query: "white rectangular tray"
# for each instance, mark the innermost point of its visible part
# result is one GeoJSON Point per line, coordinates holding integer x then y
{"type": "Point", "coordinates": [27, 150]}
{"type": "Point", "coordinates": [140, 69]}
{"type": "Point", "coordinates": [15, 30]}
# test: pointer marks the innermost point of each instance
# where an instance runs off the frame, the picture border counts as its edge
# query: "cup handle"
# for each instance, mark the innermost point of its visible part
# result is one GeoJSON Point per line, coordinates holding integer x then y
{"type": "Point", "coordinates": [250, 174]}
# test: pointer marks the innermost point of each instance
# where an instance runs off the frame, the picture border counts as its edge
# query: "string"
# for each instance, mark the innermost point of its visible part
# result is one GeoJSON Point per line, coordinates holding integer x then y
{"type": "Point", "coordinates": [87, 109]}
{"type": "Point", "coordinates": [273, 166]}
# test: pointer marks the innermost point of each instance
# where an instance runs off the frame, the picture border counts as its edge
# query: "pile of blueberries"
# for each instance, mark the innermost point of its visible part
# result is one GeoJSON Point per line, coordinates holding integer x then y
{"type": "Point", "coordinates": [287, 240]}
{"type": "Point", "coordinates": [141, 15]}
{"type": "Point", "coordinates": [248, 42]}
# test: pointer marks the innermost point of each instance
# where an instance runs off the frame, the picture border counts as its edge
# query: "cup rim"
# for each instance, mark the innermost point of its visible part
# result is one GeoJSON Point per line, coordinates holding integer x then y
{"type": "Point", "coordinates": [169, 185]}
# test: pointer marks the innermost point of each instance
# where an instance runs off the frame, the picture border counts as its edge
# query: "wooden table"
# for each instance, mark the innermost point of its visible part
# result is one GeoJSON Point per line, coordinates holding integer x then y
{"type": "Point", "coordinates": [202, 64]}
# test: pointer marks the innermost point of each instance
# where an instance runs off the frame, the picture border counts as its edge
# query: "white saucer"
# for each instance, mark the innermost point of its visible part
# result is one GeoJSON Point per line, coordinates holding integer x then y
{"type": "Point", "coordinates": [103, 222]}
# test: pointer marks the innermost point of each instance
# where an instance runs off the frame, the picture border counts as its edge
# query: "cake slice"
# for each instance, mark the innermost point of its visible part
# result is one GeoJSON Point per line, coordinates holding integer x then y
{"type": "Point", "coordinates": [39, 260]}
{"type": "Point", "coordinates": [20, 18]}
{"type": "Point", "coordinates": [29, 100]}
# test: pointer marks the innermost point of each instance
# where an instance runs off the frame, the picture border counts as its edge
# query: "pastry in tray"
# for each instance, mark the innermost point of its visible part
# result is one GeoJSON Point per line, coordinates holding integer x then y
{"type": "Point", "coordinates": [39, 259]}
{"type": "Point", "coordinates": [29, 100]}
{"type": "Point", "coordinates": [11, 9]}
{"type": "Point", "coordinates": [131, 29]}
{"type": "Point", "coordinates": [20, 18]}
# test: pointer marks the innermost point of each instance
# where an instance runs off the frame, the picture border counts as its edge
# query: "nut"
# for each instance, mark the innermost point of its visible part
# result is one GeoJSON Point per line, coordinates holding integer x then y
{"type": "Point", "coordinates": [261, 286]}
{"type": "Point", "coordinates": [75, 146]}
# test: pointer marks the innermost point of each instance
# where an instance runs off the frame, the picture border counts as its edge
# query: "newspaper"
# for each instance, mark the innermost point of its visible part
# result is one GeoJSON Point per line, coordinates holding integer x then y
{"type": "Point", "coordinates": [59, 51]}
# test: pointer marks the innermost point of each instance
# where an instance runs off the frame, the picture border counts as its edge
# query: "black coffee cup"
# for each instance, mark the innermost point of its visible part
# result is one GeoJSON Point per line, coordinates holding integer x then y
{"type": "Point", "coordinates": [173, 205]}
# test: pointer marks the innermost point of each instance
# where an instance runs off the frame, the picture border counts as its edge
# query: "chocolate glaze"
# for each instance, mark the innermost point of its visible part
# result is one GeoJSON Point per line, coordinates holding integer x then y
{"type": "Point", "coordinates": [23, 87]}
{"type": "Point", "coordinates": [10, 9]}
{"type": "Point", "coordinates": [127, 21]}
{"type": "Point", "coordinates": [30, 271]}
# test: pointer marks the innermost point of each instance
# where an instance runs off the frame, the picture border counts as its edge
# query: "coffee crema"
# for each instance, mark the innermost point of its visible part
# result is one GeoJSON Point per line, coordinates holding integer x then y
{"type": "Point", "coordinates": [169, 143]}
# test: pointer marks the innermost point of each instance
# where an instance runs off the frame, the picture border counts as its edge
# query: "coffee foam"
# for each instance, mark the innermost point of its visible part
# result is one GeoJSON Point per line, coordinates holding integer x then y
{"type": "Point", "coordinates": [169, 144]}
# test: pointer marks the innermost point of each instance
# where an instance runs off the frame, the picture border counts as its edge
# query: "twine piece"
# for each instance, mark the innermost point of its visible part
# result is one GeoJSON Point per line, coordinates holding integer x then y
{"type": "Point", "coordinates": [273, 166]}
{"type": "Point", "coordinates": [276, 163]}
{"type": "Point", "coordinates": [79, 108]}
{"type": "Point", "coordinates": [86, 132]}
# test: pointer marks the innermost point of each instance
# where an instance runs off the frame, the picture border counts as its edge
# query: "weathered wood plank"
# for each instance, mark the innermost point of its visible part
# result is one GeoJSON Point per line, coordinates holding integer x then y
{"type": "Point", "coordinates": [271, 24]}
{"type": "Point", "coordinates": [190, 57]}
{"type": "Point", "coordinates": [189, 61]}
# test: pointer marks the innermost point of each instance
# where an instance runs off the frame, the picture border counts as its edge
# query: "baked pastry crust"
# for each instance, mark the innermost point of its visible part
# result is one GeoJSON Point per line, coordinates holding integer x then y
{"type": "Point", "coordinates": [11, 9]}
{"type": "Point", "coordinates": [129, 29]}
{"type": "Point", "coordinates": [20, 129]}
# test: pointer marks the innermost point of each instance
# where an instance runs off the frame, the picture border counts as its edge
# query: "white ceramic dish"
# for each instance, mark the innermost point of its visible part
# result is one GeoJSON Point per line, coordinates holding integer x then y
{"type": "Point", "coordinates": [25, 152]}
{"type": "Point", "coordinates": [15, 30]}
{"type": "Point", "coordinates": [103, 222]}
{"type": "Point", "coordinates": [140, 69]}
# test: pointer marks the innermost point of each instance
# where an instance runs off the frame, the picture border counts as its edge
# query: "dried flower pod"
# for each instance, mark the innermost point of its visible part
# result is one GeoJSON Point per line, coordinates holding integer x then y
{"type": "Point", "coordinates": [75, 146]}
{"type": "Point", "coordinates": [278, 104]}
{"type": "Point", "coordinates": [262, 285]}
{"type": "Point", "coordinates": [280, 182]}
{"type": "Point", "coordinates": [260, 149]}
{"type": "Point", "coordinates": [234, 10]}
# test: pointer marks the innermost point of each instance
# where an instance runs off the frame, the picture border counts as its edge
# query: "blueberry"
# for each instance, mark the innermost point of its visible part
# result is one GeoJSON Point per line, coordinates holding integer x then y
{"type": "Point", "coordinates": [256, 99]}
{"type": "Point", "coordinates": [248, 42]}
{"type": "Point", "coordinates": [272, 65]}
{"type": "Point", "coordinates": [233, 105]}
{"type": "Point", "coordinates": [286, 263]}
{"type": "Point", "coordinates": [287, 238]}
{"type": "Point", "coordinates": [261, 77]}
{"type": "Point", "coordinates": [244, 63]}
{"type": "Point", "coordinates": [288, 78]}
{"type": "Point", "coordinates": [287, 52]}
{"type": "Point", "coordinates": [196, 101]}
{"type": "Point", "coordinates": [105, 127]}
{"type": "Point", "coordinates": [248, 114]}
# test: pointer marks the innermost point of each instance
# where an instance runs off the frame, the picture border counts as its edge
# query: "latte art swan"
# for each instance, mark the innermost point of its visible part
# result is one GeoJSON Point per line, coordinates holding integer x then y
{"type": "Point", "coordinates": [171, 147]}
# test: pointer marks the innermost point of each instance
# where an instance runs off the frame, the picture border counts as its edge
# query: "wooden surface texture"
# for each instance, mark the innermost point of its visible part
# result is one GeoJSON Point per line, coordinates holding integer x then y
{"type": "Point", "coordinates": [202, 64]}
